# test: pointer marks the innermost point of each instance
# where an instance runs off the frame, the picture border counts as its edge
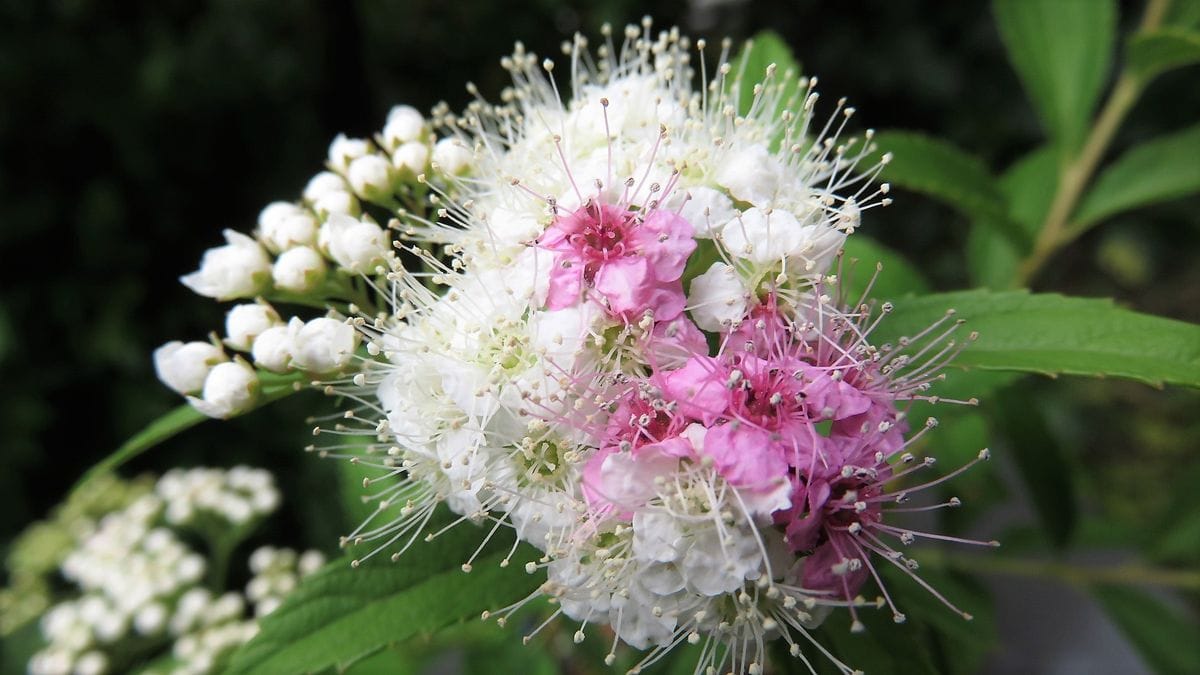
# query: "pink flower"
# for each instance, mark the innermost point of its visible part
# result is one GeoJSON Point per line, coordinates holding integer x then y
{"type": "Point", "coordinates": [632, 260]}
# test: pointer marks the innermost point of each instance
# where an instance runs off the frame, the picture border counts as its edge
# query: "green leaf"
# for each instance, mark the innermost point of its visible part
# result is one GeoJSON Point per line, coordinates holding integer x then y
{"type": "Point", "coordinates": [993, 258]}
{"type": "Point", "coordinates": [1158, 170]}
{"type": "Point", "coordinates": [965, 644]}
{"type": "Point", "coordinates": [175, 422]}
{"type": "Point", "coordinates": [1061, 49]}
{"type": "Point", "coordinates": [1165, 637]}
{"type": "Point", "coordinates": [938, 169]}
{"type": "Point", "coordinates": [1047, 477]}
{"type": "Point", "coordinates": [1151, 54]}
{"type": "Point", "coordinates": [342, 614]}
{"type": "Point", "coordinates": [749, 68]}
{"type": "Point", "coordinates": [1052, 334]}
{"type": "Point", "coordinates": [897, 278]}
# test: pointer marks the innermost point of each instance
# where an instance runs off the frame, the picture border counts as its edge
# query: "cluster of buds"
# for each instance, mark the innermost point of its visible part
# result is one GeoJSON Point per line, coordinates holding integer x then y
{"type": "Point", "coordinates": [142, 584]}
{"type": "Point", "coordinates": [327, 250]}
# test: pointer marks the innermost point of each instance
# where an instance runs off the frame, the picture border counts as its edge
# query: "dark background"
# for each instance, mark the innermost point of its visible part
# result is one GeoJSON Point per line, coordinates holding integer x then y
{"type": "Point", "coordinates": [132, 132]}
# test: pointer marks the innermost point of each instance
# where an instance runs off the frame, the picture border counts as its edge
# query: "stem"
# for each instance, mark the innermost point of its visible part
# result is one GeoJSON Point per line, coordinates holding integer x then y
{"type": "Point", "coordinates": [1125, 573]}
{"type": "Point", "coordinates": [1078, 171]}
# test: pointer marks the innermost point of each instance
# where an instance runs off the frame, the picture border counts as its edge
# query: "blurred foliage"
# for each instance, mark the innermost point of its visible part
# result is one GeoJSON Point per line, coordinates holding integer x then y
{"type": "Point", "coordinates": [133, 132]}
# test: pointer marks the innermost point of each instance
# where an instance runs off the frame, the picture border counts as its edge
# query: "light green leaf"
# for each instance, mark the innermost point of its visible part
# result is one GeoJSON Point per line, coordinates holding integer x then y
{"type": "Point", "coordinates": [1016, 416]}
{"type": "Point", "coordinates": [1165, 637]}
{"type": "Point", "coordinates": [342, 614]}
{"type": "Point", "coordinates": [1158, 170]}
{"type": "Point", "coordinates": [1061, 49]}
{"type": "Point", "coordinates": [1151, 54]}
{"type": "Point", "coordinates": [749, 68]}
{"type": "Point", "coordinates": [1027, 187]}
{"type": "Point", "coordinates": [1052, 334]}
{"type": "Point", "coordinates": [897, 278]}
{"type": "Point", "coordinates": [938, 169]}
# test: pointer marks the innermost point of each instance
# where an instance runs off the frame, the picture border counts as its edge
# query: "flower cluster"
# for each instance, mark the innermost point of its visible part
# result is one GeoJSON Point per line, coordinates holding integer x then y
{"type": "Point", "coordinates": [142, 583]}
{"type": "Point", "coordinates": [616, 324]}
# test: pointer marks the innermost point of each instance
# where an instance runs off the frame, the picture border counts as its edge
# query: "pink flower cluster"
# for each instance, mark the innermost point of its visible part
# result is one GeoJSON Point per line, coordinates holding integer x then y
{"type": "Point", "coordinates": [795, 409]}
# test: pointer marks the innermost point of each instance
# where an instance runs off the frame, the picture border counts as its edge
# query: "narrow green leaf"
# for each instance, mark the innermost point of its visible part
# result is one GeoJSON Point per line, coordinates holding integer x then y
{"type": "Point", "coordinates": [1027, 190]}
{"type": "Point", "coordinates": [1052, 334]}
{"type": "Point", "coordinates": [1165, 638]}
{"type": "Point", "coordinates": [1151, 54]}
{"type": "Point", "coordinates": [938, 169]}
{"type": "Point", "coordinates": [897, 278]}
{"type": "Point", "coordinates": [963, 644]}
{"type": "Point", "coordinates": [749, 67]}
{"type": "Point", "coordinates": [342, 613]}
{"type": "Point", "coordinates": [1158, 170]}
{"type": "Point", "coordinates": [175, 422]}
{"type": "Point", "coordinates": [1044, 470]}
{"type": "Point", "coordinates": [1061, 49]}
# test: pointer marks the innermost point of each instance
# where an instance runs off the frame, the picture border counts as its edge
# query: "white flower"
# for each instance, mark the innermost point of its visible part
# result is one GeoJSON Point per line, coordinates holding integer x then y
{"type": "Point", "coordinates": [404, 125]}
{"type": "Point", "coordinates": [355, 245]}
{"type": "Point", "coordinates": [230, 389]}
{"type": "Point", "coordinates": [764, 237]}
{"type": "Point", "coordinates": [273, 349]}
{"type": "Point", "coordinates": [240, 269]}
{"type": "Point", "coordinates": [336, 202]}
{"type": "Point", "coordinates": [707, 210]}
{"type": "Point", "coordinates": [183, 367]}
{"type": "Point", "coordinates": [246, 322]}
{"type": "Point", "coordinates": [751, 173]}
{"type": "Point", "coordinates": [371, 177]}
{"type": "Point", "coordinates": [282, 225]}
{"type": "Point", "coordinates": [411, 158]}
{"type": "Point", "coordinates": [326, 181]}
{"type": "Point", "coordinates": [322, 345]}
{"type": "Point", "coordinates": [344, 150]}
{"type": "Point", "coordinates": [299, 270]}
{"type": "Point", "coordinates": [452, 157]}
{"type": "Point", "coordinates": [718, 298]}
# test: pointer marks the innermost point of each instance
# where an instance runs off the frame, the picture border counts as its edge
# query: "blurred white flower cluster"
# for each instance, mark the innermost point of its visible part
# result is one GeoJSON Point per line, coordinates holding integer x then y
{"type": "Point", "coordinates": [143, 584]}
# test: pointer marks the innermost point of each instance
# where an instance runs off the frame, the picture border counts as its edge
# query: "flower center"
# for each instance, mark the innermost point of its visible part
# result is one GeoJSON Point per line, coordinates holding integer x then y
{"type": "Point", "coordinates": [599, 236]}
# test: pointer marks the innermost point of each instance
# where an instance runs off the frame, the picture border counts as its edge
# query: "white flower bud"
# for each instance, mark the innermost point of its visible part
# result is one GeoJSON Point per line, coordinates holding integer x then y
{"type": "Point", "coordinates": [326, 181]}
{"type": "Point", "coordinates": [282, 225]}
{"type": "Point", "coordinates": [299, 270]}
{"type": "Point", "coordinates": [243, 323]}
{"type": "Point", "coordinates": [344, 150]}
{"type": "Point", "coordinates": [230, 389]}
{"type": "Point", "coordinates": [763, 237]}
{"type": "Point", "coordinates": [411, 158]}
{"type": "Point", "coordinates": [322, 345]}
{"type": "Point", "coordinates": [150, 619]}
{"type": "Point", "coordinates": [240, 269]}
{"type": "Point", "coordinates": [371, 177]}
{"type": "Point", "coordinates": [336, 202]}
{"type": "Point", "coordinates": [310, 561]}
{"type": "Point", "coordinates": [355, 245]}
{"type": "Point", "coordinates": [452, 157]}
{"type": "Point", "coordinates": [717, 298]}
{"type": "Point", "coordinates": [404, 124]}
{"type": "Point", "coordinates": [183, 367]}
{"type": "Point", "coordinates": [273, 349]}
{"type": "Point", "coordinates": [91, 663]}
{"type": "Point", "coordinates": [751, 174]}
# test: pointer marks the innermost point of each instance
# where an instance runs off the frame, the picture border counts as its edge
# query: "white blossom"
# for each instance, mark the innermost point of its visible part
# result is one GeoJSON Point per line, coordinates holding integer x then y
{"type": "Point", "coordinates": [299, 270]}
{"type": "Point", "coordinates": [230, 389]}
{"type": "Point", "coordinates": [240, 269]}
{"type": "Point", "coordinates": [184, 366]}
{"type": "Point", "coordinates": [355, 245]}
{"type": "Point", "coordinates": [322, 345]}
{"type": "Point", "coordinates": [244, 323]}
